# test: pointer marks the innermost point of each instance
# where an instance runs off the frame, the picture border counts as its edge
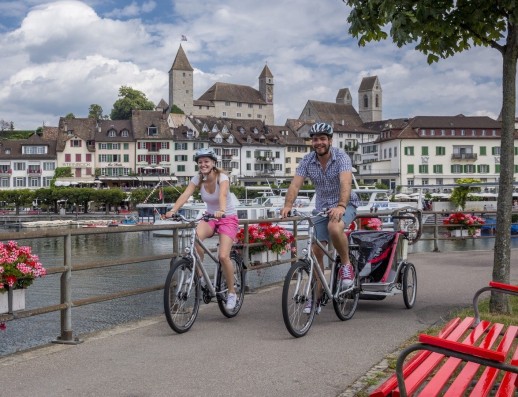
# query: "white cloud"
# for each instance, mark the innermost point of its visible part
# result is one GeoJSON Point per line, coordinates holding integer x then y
{"type": "Point", "coordinates": [66, 55]}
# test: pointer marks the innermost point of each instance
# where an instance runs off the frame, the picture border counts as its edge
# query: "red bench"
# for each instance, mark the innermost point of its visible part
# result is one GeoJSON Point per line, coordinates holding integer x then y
{"type": "Point", "coordinates": [469, 357]}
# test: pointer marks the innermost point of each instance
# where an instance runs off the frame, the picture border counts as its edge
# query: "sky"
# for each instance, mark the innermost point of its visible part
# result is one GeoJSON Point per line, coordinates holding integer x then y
{"type": "Point", "coordinates": [60, 57]}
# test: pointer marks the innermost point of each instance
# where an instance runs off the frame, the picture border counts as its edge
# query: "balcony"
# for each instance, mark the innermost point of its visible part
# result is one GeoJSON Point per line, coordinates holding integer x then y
{"type": "Point", "coordinates": [33, 172]}
{"type": "Point", "coordinates": [464, 156]}
{"type": "Point", "coordinates": [4, 172]}
{"type": "Point", "coordinates": [264, 159]}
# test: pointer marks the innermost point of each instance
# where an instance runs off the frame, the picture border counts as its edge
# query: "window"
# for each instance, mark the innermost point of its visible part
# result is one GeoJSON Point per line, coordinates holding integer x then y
{"type": "Point", "coordinates": [218, 139]}
{"type": "Point", "coordinates": [238, 114]}
{"type": "Point", "coordinates": [497, 168]}
{"type": "Point", "coordinates": [239, 104]}
{"type": "Point", "coordinates": [249, 167]}
{"type": "Point", "coordinates": [227, 103]}
{"type": "Point", "coordinates": [250, 106]}
{"type": "Point", "coordinates": [224, 114]}
{"type": "Point", "coordinates": [439, 181]}
{"type": "Point", "coordinates": [126, 158]}
{"type": "Point", "coordinates": [259, 116]}
{"type": "Point", "coordinates": [75, 143]}
{"type": "Point", "coordinates": [152, 130]}
{"type": "Point", "coordinates": [495, 150]}
{"type": "Point", "coordinates": [456, 169]}
{"type": "Point", "coordinates": [395, 151]}
{"type": "Point", "coordinates": [409, 150]}
{"type": "Point", "coordinates": [20, 182]}
{"type": "Point", "coordinates": [410, 169]}
{"type": "Point", "coordinates": [365, 101]}
{"type": "Point", "coordinates": [49, 166]}
{"type": "Point", "coordinates": [68, 157]}
{"type": "Point", "coordinates": [88, 157]}
{"type": "Point", "coordinates": [180, 168]}
{"type": "Point", "coordinates": [440, 151]}
{"type": "Point", "coordinates": [469, 168]}
{"type": "Point", "coordinates": [180, 158]}
{"type": "Point", "coordinates": [424, 151]}
{"type": "Point", "coordinates": [180, 146]}
{"type": "Point", "coordinates": [437, 169]}
{"type": "Point", "coordinates": [423, 169]}
{"type": "Point", "coordinates": [248, 154]}
{"type": "Point", "coordinates": [483, 169]}
{"type": "Point", "coordinates": [78, 157]}
{"type": "Point", "coordinates": [112, 133]}
{"type": "Point", "coordinates": [125, 133]}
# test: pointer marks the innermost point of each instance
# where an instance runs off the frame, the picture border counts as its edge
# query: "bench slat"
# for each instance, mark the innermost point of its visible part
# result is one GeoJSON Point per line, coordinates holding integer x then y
{"type": "Point", "coordinates": [417, 377]}
{"type": "Point", "coordinates": [510, 381]}
{"type": "Point", "coordinates": [391, 383]}
{"type": "Point", "coordinates": [470, 369]}
{"type": "Point", "coordinates": [507, 287]}
{"type": "Point", "coordinates": [438, 381]}
{"type": "Point", "coordinates": [488, 377]}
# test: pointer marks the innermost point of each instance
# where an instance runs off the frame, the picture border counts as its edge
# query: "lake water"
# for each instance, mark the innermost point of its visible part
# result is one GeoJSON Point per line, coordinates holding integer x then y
{"type": "Point", "coordinates": [25, 333]}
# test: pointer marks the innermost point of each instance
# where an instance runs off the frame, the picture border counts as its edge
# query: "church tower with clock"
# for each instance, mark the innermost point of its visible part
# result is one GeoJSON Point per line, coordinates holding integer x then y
{"type": "Point", "coordinates": [266, 85]}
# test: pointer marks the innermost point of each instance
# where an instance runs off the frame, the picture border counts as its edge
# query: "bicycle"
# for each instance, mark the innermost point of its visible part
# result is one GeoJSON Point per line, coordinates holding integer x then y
{"type": "Point", "coordinates": [183, 289]}
{"type": "Point", "coordinates": [300, 286]}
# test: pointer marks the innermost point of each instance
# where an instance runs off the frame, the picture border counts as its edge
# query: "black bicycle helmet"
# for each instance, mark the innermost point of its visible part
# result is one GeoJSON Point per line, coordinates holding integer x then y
{"type": "Point", "coordinates": [320, 129]}
{"type": "Point", "coordinates": [208, 152]}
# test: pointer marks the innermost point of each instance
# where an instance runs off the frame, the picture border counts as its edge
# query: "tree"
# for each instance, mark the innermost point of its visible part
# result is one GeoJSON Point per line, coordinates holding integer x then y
{"type": "Point", "coordinates": [70, 116]}
{"type": "Point", "coordinates": [4, 125]}
{"type": "Point", "coordinates": [95, 112]}
{"type": "Point", "coordinates": [441, 29]}
{"type": "Point", "coordinates": [129, 99]}
{"type": "Point", "coordinates": [460, 193]}
{"type": "Point", "coordinates": [175, 109]}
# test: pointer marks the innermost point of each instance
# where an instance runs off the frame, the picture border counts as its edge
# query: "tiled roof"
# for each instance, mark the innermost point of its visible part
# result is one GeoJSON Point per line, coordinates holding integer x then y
{"type": "Point", "coordinates": [266, 72]}
{"type": "Point", "coordinates": [83, 128]}
{"type": "Point", "coordinates": [142, 119]}
{"type": "Point", "coordinates": [181, 62]}
{"type": "Point", "coordinates": [104, 126]}
{"type": "Point", "coordinates": [367, 83]}
{"type": "Point", "coordinates": [232, 93]}
{"type": "Point", "coordinates": [15, 147]}
{"type": "Point", "coordinates": [337, 113]}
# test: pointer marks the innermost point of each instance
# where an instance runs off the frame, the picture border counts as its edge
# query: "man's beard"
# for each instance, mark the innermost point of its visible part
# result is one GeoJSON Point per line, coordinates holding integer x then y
{"type": "Point", "coordinates": [323, 154]}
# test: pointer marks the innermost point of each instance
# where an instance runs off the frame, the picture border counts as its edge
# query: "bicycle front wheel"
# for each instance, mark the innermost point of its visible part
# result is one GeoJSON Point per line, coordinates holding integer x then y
{"type": "Point", "coordinates": [298, 301]}
{"type": "Point", "coordinates": [181, 302]}
{"type": "Point", "coordinates": [239, 286]}
{"type": "Point", "coordinates": [345, 304]}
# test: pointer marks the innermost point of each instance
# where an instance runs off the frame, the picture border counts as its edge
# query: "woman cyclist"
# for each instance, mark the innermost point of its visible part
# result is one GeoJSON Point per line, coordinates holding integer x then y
{"type": "Point", "coordinates": [214, 188]}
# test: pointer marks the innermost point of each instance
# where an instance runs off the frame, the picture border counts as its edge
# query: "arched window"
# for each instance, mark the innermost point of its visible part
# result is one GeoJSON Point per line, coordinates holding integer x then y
{"type": "Point", "coordinates": [377, 101]}
{"type": "Point", "coordinates": [365, 101]}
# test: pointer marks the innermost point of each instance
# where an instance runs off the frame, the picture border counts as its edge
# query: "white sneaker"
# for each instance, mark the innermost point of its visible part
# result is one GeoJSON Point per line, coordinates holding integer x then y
{"type": "Point", "coordinates": [307, 308]}
{"type": "Point", "coordinates": [346, 274]}
{"type": "Point", "coordinates": [231, 301]}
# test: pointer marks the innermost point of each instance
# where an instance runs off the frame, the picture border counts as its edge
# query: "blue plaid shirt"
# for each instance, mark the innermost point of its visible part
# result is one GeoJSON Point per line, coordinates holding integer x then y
{"type": "Point", "coordinates": [327, 182]}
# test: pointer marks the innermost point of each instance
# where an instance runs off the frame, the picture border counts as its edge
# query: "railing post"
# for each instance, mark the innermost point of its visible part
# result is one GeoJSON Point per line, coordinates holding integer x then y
{"type": "Point", "coordinates": [66, 336]}
{"type": "Point", "coordinates": [246, 257]}
{"type": "Point", "coordinates": [435, 234]}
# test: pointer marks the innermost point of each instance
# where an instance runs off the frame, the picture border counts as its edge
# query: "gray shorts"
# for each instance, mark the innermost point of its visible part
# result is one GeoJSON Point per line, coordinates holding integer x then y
{"type": "Point", "coordinates": [321, 232]}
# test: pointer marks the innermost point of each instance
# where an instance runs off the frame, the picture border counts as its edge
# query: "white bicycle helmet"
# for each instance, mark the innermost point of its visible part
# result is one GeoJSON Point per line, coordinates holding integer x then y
{"type": "Point", "coordinates": [321, 129]}
{"type": "Point", "coordinates": [208, 152]}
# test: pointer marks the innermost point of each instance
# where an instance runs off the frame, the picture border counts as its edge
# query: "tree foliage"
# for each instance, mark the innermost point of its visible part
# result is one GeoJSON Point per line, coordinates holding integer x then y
{"type": "Point", "coordinates": [129, 99]}
{"type": "Point", "coordinates": [95, 112]}
{"type": "Point", "coordinates": [441, 29]}
{"type": "Point", "coordinates": [460, 193]}
{"type": "Point", "coordinates": [175, 109]}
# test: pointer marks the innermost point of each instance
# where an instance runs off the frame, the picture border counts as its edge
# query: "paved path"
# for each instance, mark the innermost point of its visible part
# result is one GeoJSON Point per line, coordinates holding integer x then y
{"type": "Point", "coordinates": [252, 354]}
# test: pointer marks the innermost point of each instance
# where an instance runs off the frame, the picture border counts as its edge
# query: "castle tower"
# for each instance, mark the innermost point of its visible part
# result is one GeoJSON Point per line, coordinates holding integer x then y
{"type": "Point", "coordinates": [181, 83]}
{"type": "Point", "coordinates": [266, 85]}
{"type": "Point", "coordinates": [344, 96]}
{"type": "Point", "coordinates": [370, 102]}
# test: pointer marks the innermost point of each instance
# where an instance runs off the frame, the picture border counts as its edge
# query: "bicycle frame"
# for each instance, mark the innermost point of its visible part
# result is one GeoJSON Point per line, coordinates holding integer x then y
{"type": "Point", "coordinates": [193, 255]}
{"type": "Point", "coordinates": [311, 259]}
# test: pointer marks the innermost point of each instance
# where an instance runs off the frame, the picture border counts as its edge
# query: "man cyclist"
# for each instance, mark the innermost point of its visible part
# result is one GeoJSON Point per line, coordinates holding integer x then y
{"type": "Point", "coordinates": [214, 188]}
{"type": "Point", "coordinates": [330, 171]}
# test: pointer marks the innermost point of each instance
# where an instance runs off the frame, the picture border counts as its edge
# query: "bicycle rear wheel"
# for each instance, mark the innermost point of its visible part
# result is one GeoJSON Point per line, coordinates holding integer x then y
{"type": "Point", "coordinates": [239, 286]}
{"type": "Point", "coordinates": [345, 304]}
{"type": "Point", "coordinates": [295, 298]}
{"type": "Point", "coordinates": [409, 285]}
{"type": "Point", "coordinates": [181, 303]}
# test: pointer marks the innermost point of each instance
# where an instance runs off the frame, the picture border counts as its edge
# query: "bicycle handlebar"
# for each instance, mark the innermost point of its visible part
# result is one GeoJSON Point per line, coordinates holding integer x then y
{"type": "Point", "coordinates": [205, 217]}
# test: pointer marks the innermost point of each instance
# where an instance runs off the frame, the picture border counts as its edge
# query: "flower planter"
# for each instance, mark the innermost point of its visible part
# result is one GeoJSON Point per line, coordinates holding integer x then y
{"type": "Point", "coordinates": [263, 257]}
{"type": "Point", "coordinates": [17, 299]}
{"type": "Point", "coordinates": [4, 302]}
{"type": "Point", "coordinates": [12, 300]}
{"type": "Point", "coordinates": [459, 233]}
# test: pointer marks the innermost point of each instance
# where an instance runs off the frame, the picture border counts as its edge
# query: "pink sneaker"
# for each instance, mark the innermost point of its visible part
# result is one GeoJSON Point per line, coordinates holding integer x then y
{"type": "Point", "coordinates": [346, 275]}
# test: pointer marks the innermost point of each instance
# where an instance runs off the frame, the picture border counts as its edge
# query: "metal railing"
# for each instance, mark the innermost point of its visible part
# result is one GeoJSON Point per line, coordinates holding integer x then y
{"type": "Point", "coordinates": [69, 268]}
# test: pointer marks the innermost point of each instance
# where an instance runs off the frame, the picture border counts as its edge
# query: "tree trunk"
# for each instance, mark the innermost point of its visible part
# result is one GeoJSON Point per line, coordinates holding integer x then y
{"type": "Point", "coordinates": [499, 303]}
